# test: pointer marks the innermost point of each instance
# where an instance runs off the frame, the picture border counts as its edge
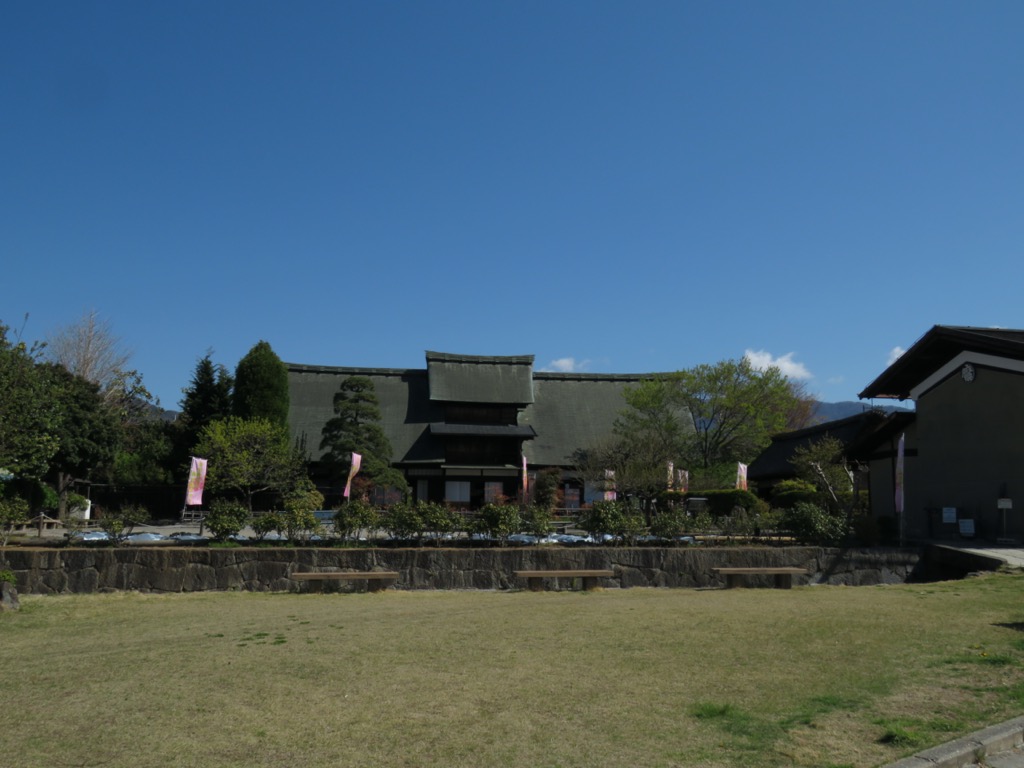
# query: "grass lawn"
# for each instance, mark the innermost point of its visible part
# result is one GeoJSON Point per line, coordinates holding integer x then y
{"type": "Point", "coordinates": [814, 676]}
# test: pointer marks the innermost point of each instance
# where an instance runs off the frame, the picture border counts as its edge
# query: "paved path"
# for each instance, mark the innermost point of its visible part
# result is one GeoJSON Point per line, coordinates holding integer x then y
{"type": "Point", "coordinates": [998, 746]}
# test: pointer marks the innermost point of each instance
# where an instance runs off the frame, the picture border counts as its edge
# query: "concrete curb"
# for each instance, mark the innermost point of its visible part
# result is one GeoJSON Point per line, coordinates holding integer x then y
{"type": "Point", "coordinates": [970, 749]}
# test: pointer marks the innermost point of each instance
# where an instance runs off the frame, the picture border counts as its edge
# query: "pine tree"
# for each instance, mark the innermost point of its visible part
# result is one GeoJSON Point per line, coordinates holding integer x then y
{"type": "Point", "coordinates": [356, 429]}
{"type": "Point", "coordinates": [207, 399]}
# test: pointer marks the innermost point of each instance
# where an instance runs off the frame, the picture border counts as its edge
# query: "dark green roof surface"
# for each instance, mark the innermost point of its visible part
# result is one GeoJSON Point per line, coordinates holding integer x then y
{"type": "Point", "coordinates": [567, 411]}
{"type": "Point", "coordinates": [476, 379]}
{"type": "Point", "coordinates": [572, 411]}
{"type": "Point", "coordinates": [481, 430]}
{"type": "Point", "coordinates": [406, 409]}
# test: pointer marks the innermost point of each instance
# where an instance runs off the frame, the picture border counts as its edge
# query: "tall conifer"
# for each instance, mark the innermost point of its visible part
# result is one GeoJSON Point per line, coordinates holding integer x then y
{"type": "Point", "coordinates": [261, 386]}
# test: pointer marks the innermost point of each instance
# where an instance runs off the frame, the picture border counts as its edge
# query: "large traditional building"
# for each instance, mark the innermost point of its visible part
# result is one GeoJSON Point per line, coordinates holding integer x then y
{"type": "Point", "coordinates": [461, 428]}
{"type": "Point", "coordinates": [963, 465]}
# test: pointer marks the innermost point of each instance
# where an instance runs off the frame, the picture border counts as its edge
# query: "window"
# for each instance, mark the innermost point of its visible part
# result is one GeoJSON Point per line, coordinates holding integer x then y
{"type": "Point", "coordinates": [456, 491]}
{"type": "Point", "coordinates": [493, 492]}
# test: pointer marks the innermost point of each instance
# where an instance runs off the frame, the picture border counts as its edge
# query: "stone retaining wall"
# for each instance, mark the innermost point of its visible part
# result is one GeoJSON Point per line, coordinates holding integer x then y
{"type": "Point", "coordinates": [179, 569]}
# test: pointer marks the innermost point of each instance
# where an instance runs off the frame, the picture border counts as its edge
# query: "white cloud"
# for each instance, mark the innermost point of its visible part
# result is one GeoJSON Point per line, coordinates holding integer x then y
{"type": "Point", "coordinates": [566, 365]}
{"type": "Point", "coordinates": [791, 369]}
{"type": "Point", "coordinates": [895, 354]}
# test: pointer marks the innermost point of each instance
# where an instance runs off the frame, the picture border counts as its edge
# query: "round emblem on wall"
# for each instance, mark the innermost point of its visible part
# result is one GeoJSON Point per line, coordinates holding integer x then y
{"type": "Point", "coordinates": [967, 373]}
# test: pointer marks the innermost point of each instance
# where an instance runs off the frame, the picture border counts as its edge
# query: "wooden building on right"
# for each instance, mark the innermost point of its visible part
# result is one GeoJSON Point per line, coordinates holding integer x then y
{"type": "Point", "coordinates": [962, 454]}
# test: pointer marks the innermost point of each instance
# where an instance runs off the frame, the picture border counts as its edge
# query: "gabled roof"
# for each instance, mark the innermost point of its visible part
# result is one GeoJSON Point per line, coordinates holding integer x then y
{"type": "Point", "coordinates": [942, 348]}
{"type": "Point", "coordinates": [479, 379]}
{"type": "Point", "coordinates": [859, 435]}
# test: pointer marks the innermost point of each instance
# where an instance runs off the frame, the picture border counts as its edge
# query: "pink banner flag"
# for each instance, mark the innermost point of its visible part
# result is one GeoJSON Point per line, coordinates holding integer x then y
{"type": "Point", "coordinates": [196, 481]}
{"type": "Point", "coordinates": [609, 485]}
{"type": "Point", "coordinates": [357, 461]}
{"type": "Point", "coordinates": [741, 476]}
{"type": "Point", "coordinates": [899, 474]}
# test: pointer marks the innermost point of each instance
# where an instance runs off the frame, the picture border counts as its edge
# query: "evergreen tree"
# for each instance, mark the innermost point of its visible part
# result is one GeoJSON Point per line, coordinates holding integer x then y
{"type": "Point", "coordinates": [356, 429]}
{"type": "Point", "coordinates": [88, 432]}
{"type": "Point", "coordinates": [207, 398]}
{"type": "Point", "coordinates": [261, 386]}
{"type": "Point", "coordinates": [28, 415]}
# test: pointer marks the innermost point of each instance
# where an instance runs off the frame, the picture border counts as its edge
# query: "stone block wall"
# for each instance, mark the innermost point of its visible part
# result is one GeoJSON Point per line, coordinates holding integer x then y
{"type": "Point", "coordinates": [181, 569]}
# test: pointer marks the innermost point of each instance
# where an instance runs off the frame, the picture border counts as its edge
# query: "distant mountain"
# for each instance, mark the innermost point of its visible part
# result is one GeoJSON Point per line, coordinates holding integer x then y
{"type": "Point", "coordinates": [835, 411]}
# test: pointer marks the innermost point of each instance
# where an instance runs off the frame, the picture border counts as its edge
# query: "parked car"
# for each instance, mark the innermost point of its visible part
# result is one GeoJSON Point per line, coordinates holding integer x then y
{"type": "Point", "coordinates": [187, 537]}
{"type": "Point", "coordinates": [147, 537]}
{"type": "Point", "coordinates": [85, 536]}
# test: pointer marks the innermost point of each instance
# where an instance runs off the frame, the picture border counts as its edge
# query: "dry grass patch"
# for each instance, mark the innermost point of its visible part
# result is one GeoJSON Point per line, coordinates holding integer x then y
{"type": "Point", "coordinates": [807, 677]}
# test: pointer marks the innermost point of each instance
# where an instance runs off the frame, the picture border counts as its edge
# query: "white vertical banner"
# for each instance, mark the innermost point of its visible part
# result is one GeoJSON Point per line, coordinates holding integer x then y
{"type": "Point", "coordinates": [682, 480]}
{"type": "Point", "coordinates": [357, 461]}
{"type": "Point", "coordinates": [741, 476]}
{"type": "Point", "coordinates": [671, 475]}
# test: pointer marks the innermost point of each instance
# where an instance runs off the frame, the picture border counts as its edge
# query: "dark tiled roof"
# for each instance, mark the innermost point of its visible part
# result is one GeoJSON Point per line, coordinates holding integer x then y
{"type": "Point", "coordinates": [405, 406]}
{"type": "Point", "coordinates": [936, 348]}
{"type": "Point", "coordinates": [476, 379]}
{"type": "Point", "coordinates": [858, 434]}
{"type": "Point", "coordinates": [567, 411]}
{"type": "Point", "coordinates": [573, 411]}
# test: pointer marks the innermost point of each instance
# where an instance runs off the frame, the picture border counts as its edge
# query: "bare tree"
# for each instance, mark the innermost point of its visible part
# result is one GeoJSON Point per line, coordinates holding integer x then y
{"type": "Point", "coordinates": [89, 348]}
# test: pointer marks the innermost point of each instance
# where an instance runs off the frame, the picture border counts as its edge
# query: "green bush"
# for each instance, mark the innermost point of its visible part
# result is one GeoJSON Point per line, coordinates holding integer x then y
{"type": "Point", "coordinates": [536, 520]}
{"type": "Point", "coordinates": [437, 518]}
{"type": "Point", "coordinates": [723, 502]}
{"type": "Point", "coordinates": [602, 518]}
{"type": "Point", "coordinates": [7, 575]}
{"type": "Point", "coordinates": [620, 519]}
{"type": "Point", "coordinates": [787, 493]}
{"type": "Point", "coordinates": [353, 516]}
{"type": "Point", "coordinates": [226, 518]}
{"type": "Point", "coordinates": [300, 525]}
{"type": "Point", "coordinates": [814, 524]}
{"type": "Point", "coordinates": [402, 521]}
{"type": "Point", "coordinates": [267, 523]}
{"type": "Point", "coordinates": [13, 511]}
{"type": "Point", "coordinates": [500, 521]}
{"type": "Point", "coordinates": [120, 523]}
{"type": "Point", "coordinates": [670, 522]}
{"type": "Point", "coordinates": [300, 505]}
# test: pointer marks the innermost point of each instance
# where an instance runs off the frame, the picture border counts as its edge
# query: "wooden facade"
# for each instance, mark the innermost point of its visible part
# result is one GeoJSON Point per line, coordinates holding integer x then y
{"type": "Point", "coordinates": [462, 428]}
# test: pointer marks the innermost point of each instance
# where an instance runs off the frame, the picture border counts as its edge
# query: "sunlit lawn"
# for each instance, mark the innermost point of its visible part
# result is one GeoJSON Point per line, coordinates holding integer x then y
{"type": "Point", "coordinates": [813, 676]}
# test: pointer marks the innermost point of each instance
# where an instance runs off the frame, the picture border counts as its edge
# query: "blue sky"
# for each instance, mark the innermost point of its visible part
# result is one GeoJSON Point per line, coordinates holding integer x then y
{"type": "Point", "coordinates": [609, 186]}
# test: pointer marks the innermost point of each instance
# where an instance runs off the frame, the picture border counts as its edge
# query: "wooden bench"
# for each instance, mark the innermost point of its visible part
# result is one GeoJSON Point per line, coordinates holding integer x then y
{"type": "Point", "coordinates": [535, 579]}
{"type": "Point", "coordinates": [375, 580]}
{"type": "Point", "coordinates": [735, 577]}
